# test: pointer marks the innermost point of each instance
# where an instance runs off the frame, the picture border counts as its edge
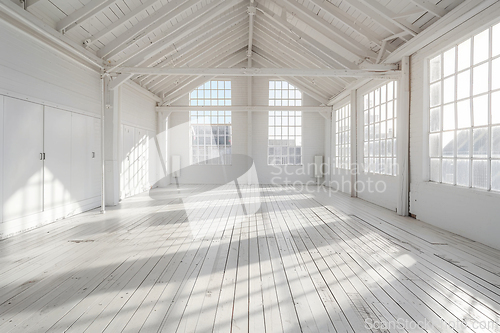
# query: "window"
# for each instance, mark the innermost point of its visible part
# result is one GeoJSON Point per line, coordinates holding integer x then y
{"type": "Point", "coordinates": [285, 127]}
{"type": "Point", "coordinates": [464, 113]}
{"type": "Point", "coordinates": [211, 132]}
{"type": "Point", "coordinates": [380, 110]}
{"type": "Point", "coordinates": [343, 137]}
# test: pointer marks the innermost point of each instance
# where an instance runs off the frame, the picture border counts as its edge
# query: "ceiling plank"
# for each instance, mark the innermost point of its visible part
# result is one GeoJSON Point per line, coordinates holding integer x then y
{"type": "Point", "coordinates": [183, 29]}
{"type": "Point", "coordinates": [82, 14]}
{"type": "Point", "coordinates": [430, 7]}
{"type": "Point", "coordinates": [281, 20]}
{"type": "Point", "coordinates": [118, 23]}
{"type": "Point", "coordinates": [160, 17]}
{"type": "Point", "coordinates": [353, 49]}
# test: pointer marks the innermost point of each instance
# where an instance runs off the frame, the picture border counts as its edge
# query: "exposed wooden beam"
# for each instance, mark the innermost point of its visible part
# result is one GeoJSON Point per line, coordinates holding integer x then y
{"type": "Point", "coordinates": [30, 3]}
{"type": "Point", "coordinates": [346, 19]}
{"type": "Point", "coordinates": [319, 72]}
{"type": "Point", "coordinates": [232, 60]}
{"type": "Point", "coordinates": [458, 15]}
{"type": "Point", "coordinates": [385, 22]}
{"type": "Point", "coordinates": [282, 21]}
{"type": "Point", "coordinates": [238, 108]}
{"type": "Point", "coordinates": [430, 7]}
{"type": "Point", "coordinates": [268, 60]}
{"type": "Point", "coordinates": [82, 14]}
{"type": "Point", "coordinates": [118, 23]}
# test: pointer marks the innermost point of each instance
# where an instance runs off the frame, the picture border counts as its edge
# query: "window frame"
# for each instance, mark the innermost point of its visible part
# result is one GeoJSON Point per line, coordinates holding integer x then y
{"type": "Point", "coordinates": [290, 115]}
{"type": "Point", "coordinates": [343, 146]}
{"type": "Point", "coordinates": [213, 119]}
{"type": "Point", "coordinates": [468, 100]}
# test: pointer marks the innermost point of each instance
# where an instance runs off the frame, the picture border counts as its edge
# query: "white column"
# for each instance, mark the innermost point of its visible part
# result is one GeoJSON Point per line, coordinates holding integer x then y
{"type": "Point", "coordinates": [403, 138]}
{"type": "Point", "coordinates": [328, 148]}
{"type": "Point", "coordinates": [112, 146]}
{"type": "Point", "coordinates": [354, 143]}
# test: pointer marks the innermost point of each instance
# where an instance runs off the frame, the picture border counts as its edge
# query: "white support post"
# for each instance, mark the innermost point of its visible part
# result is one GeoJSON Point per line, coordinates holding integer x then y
{"type": "Point", "coordinates": [112, 145]}
{"type": "Point", "coordinates": [328, 147]}
{"type": "Point", "coordinates": [354, 143]}
{"type": "Point", "coordinates": [403, 137]}
{"type": "Point", "coordinates": [103, 158]}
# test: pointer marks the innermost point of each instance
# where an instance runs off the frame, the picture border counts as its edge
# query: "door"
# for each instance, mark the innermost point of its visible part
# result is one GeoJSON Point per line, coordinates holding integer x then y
{"type": "Point", "coordinates": [80, 158]}
{"type": "Point", "coordinates": [94, 146]}
{"type": "Point", "coordinates": [57, 163]}
{"type": "Point", "coordinates": [23, 165]}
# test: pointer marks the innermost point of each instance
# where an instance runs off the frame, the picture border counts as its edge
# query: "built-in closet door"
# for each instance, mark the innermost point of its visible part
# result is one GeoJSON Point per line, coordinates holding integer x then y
{"type": "Point", "coordinates": [94, 131]}
{"type": "Point", "coordinates": [23, 158]}
{"type": "Point", "coordinates": [57, 166]}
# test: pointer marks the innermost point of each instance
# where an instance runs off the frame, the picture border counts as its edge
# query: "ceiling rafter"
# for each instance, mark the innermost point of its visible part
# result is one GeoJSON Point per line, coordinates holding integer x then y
{"type": "Point", "coordinates": [160, 17]}
{"type": "Point", "coordinates": [320, 84]}
{"type": "Point", "coordinates": [295, 51]}
{"type": "Point", "coordinates": [230, 61]}
{"type": "Point", "coordinates": [340, 39]}
{"type": "Point", "coordinates": [208, 37]}
{"type": "Point", "coordinates": [118, 23]}
{"type": "Point", "coordinates": [282, 21]}
{"type": "Point", "coordinates": [182, 29]}
{"type": "Point", "coordinates": [213, 44]}
{"type": "Point", "coordinates": [203, 59]}
{"type": "Point", "coordinates": [81, 15]}
{"type": "Point", "coordinates": [346, 19]}
{"type": "Point", "coordinates": [30, 3]}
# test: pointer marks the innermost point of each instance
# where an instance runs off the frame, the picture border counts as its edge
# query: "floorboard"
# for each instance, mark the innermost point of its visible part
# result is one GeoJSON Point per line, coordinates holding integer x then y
{"type": "Point", "coordinates": [271, 259]}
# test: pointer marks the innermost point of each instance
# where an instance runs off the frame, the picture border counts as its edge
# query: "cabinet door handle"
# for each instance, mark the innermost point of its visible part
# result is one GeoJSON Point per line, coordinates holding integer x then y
{"type": "Point", "coordinates": [41, 156]}
{"type": "Point", "coordinates": [44, 156]}
{"type": "Point", "coordinates": [93, 154]}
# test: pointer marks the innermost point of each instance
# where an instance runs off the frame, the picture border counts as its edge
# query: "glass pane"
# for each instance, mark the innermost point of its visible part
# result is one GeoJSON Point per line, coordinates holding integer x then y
{"type": "Point", "coordinates": [495, 175]}
{"type": "Point", "coordinates": [463, 172]}
{"type": "Point", "coordinates": [435, 120]}
{"type": "Point", "coordinates": [435, 167]}
{"type": "Point", "coordinates": [434, 145]}
{"type": "Point", "coordinates": [464, 55]}
{"type": "Point", "coordinates": [495, 74]}
{"type": "Point", "coordinates": [496, 40]}
{"type": "Point", "coordinates": [495, 108]}
{"type": "Point", "coordinates": [448, 171]}
{"type": "Point", "coordinates": [448, 144]}
{"type": "Point", "coordinates": [435, 91]}
{"type": "Point", "coordinates": [480, 79]}
{"type": "Point", "coordinates": [495, 142]}
{"type": "Point", "coordinates": [435, 69]}
{"type": "Point", "coordinates": [463, 84]}
{"type": "Point", "coordinates": [463, 143]}
{"type": "Point", "coordinates": [480, 110]}
{"type": "Point", "coordinates": [448, 117]}
{"type": "Point", "coordinates": [463, 113]}
{"type": "Point", "coordinates": [480, 174]}
{"type": "Point", "coordinates": [480, 143]}
{"type": "Point", "coordinates": [449, 62]}
{"type": "Point", "coordinates": [481, 46]}
{"type": "Point", "coordinates": [449, 90]}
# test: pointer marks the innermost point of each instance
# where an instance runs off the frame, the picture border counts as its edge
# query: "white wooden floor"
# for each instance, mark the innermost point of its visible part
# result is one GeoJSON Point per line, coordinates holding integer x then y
{"type": "Point", "coordinates": [297, 262]}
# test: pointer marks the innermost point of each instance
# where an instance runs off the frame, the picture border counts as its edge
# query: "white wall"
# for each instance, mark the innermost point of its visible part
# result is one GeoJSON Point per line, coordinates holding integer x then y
{"type": "Point", "coordinates": [312, 140]}
{"type": "Point", "coordinates": [139, 167]}
{"type": "Point", "coordinates": [38, 80]}
{"type": "Point", "coordinates": [469, 212]}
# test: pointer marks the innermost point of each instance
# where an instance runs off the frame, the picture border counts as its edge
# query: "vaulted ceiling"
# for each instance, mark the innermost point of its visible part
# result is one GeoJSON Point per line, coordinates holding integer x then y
{"type": "Point", "coordinates": [309, 34]}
